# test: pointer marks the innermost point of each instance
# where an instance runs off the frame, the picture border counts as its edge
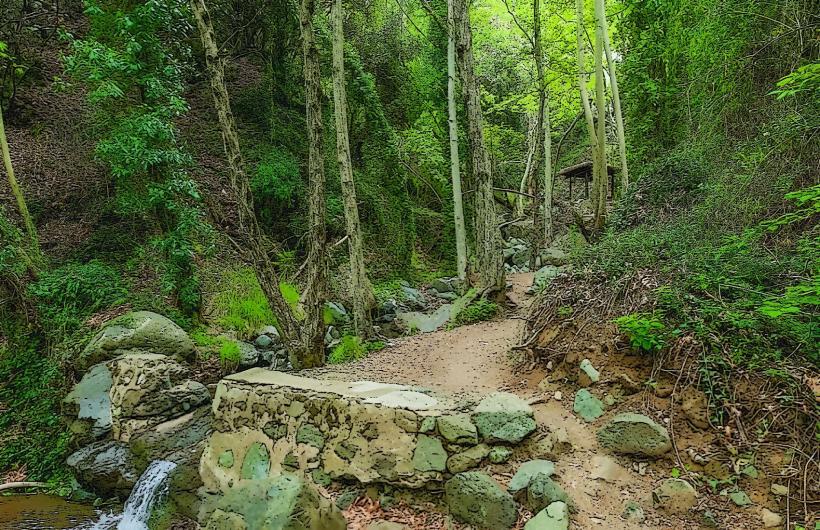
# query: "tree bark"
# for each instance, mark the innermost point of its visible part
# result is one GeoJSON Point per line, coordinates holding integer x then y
{"type": "Point", "coordinates": [540, 139]}
{"type": "Point", "coordinates": [487, 234]}
{"type": "Point", "coordinates": [582, 89]}
{"type": "Point", "coordinates": [525, 184]}
{"type": "Point", "coordinates": [31, 230]}
{"type": "Point", "coordinates": [616, 102]}
{"type": "Point", "coordinates": [600, 103]}
{"type": "Point", "coordinates": [548, 178]}
{"type": "Point", "coordinates": [250, 234]}
{"type": "Point", "coordinates": [455, 171]}
{"type": "Point", "coordinates": [313, 332]}
{"type": "Point", "coordinates": [361, 290]}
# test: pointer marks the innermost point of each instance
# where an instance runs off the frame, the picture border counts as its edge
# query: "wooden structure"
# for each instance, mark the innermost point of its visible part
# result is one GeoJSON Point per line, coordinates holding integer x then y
{"type": "Point", "coordinates": [584, 171]}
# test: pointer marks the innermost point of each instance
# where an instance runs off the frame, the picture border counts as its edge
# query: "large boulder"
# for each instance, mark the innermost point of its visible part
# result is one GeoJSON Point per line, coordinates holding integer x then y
{"type": "Point", "coordinates": [635, 434]}
{"type": "Point", "coordinates": [88, 405]}
{"type": "Point", "coordinates": [149, 389]}
{"type": "Point", "coordinates": [138, 331]}
{"type": "Point", "coordinates": [105, 467]}
{"type": "Point", "coordinates": [476, 499]}
{"type": "Point", "coordinates": [503, 417]}
{"type": "Point", "coordinates": [283, 502]}
{"type": "Point", "coordinates": [181, 441]}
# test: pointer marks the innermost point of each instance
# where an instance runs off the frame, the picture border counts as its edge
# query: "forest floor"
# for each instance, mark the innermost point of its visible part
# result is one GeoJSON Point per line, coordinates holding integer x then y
{"type": "Point", "coordinates": [476, 359]}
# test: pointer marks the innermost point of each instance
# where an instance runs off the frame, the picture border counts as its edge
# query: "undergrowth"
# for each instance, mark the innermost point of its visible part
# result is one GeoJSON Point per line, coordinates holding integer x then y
{"type": "Point", "coordinates": [352, 348]}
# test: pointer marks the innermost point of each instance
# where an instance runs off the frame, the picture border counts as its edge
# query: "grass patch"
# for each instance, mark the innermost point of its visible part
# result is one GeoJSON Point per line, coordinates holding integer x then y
{"type": "Point", "coordinates": [351, 348]}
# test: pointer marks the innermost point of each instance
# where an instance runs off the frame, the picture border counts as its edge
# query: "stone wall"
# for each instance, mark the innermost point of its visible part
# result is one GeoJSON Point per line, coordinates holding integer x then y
{"type": "Point", "coordinates": [267, 423]}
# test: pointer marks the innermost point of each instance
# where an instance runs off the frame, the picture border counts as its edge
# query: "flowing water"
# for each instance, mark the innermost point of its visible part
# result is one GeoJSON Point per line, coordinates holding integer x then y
{"type": "Point", "coordinates": [149, 490]}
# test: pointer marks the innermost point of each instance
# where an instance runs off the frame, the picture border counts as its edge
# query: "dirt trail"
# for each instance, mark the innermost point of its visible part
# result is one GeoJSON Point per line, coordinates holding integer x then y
{"type": "Point", "coordinates": [478, 359]}
{"type": "Point", "coordinates": [468, 359]}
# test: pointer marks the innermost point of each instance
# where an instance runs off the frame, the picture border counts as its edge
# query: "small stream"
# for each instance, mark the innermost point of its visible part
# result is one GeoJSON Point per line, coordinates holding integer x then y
{"type": "Point", "coordinates": [49, 512]}
{"type": "Point", "coordinates": [44, 512]}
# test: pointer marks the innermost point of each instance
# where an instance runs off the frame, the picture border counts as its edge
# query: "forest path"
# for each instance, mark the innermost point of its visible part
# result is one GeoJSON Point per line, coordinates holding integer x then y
{"type": "Point", "coordinates": [471, 359]}
{"type": "Point", "coordinates": [477, 359]}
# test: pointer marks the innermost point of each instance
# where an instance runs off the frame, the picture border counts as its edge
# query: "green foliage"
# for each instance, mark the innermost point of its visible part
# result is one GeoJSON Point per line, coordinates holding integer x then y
{"type": "Point", "coordinates": [229, 354]}
{"type": "Point", "coordinates": [66, 296]}
{"type": "Point", "coordinates": [478, 311]}
{"type": "Point", "coordinates": [803, 81]}
{"type": "Point", "coordinates": [131, 64]}
{"type": "Point", "coordinates": [32, 433]}
{"type": "Point", "coordinates": [277, 178]}
{"type": "Point", "coordinates": [351, 348]}
{"type": "Point", "coordinates": [240, 304]}
{"type": "Point", "coordinates": [645, 332]}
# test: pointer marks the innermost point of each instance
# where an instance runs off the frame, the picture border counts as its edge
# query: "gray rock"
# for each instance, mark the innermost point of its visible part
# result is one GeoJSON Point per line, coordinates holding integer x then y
{"type": "Point", "coordinates": [387, 311]}
{"type": "Point", "coordinates": [88, 405]}
{"type": "Point", "coordinates": [674, 496]}
{"type": "Point", "coordinates": [528, 471]}
{"type": "Point", "coordinates": [443, 285]}
{"type": "Point", "coordinates": [141, 331]}
{"type": "Point", "coordinates": [449, 297]}
{"type": "Point", "coordinates": [386, 525]}
{"type": "Point", "coordinates": [553, 517]}
{"type": "Point", "coordinates": [105, 467]}
{"type": "Point", "coordinates": [554, 256]}
{"type": "Point", "coordinates": [637, 434]}
{"type": "Point", "coordinates": [248, 354]}
{"type": "Point", "coordinates": [263, 341]}
{"type": "Point", "coordinates": [284, 502]}
{"type": "Point", "coordinates": [458, 429]}
{"type": "Point", "coordinates": [468, 459]}
{"type": "Point", "coordinates": [588, 406]}
{"type": "Point", "coordinates": [413, 297]}
{"type": "Point", "coordinates": [544, 276]}
{"type": "Point", "coordinates": [543, 491]}
{"type": "Point", "coordinates": [589, 371]}
{"type": "Point", "coordinates": [423, 323]}
{"type": "Point", "coordinates": [633, 512]}
{"type": "Point", "coordinates": [503, 417]}
{"type": "Point", "coordinates": [476, 499]}
{"type": "Point", "coordinates": [337, 311]}
{"type": "Point", "coordinates": [429, 454]}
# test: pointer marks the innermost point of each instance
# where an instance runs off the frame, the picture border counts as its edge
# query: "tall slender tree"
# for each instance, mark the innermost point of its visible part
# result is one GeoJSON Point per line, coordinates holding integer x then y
{"type": "Point", "coordinates": [252, 238]}
{"type": "Point", "coordinates": [547, 168]}
{"type": "Point", "coordinates": [314, 298]}
{"type": "Point", "coordinates": [616, 103]}
{"type": "Point", "coordinates": [455, 171]}
{"type": "Point", "coordinates": [16, 190]}
{"type": "Point", "coordinates": [361, 290]}
{"type": "Point", "coordinates": [489, 262]}
{"type": "Point", "coordinates": [600, 104]}
{"type": "Point", "coordinates": [584, 94]}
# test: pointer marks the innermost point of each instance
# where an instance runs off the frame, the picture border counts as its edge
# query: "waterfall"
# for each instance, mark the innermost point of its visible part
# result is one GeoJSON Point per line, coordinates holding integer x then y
{"type": "Point", "coordinates": [150, 489]}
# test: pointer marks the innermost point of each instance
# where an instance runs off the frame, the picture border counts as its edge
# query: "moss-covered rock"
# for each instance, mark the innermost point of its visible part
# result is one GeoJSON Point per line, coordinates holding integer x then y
{"type": "Point", "coordinates": [140, 331]}
{"type": "Point", "coordinates": [503, 417]}
{"type": "Point", "coordinates": [476, 499]}
{"type": "Point", "coordinates": [630, 433]}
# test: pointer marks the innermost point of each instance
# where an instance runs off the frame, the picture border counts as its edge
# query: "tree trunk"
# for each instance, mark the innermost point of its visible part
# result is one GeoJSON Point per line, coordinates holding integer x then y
{"type": "Point", "coordinates": [455, 171]}
{"type": "Point", "coordinates": [600, 103]}
{"type": "Point", "coordinates": [525, 184]}
{"type": "Point", "coordinates": [548, 179]}
{"type": "Point", "coordinates": [313, 333]}
{"type": "Point", "coordinates": [616, 102]}
{"type": "Point", "coordinates": [537, 241]}
{"type": "Point", "coordinates": [250, 234]}
{"type": "Point", "coordinates": [487, 234]}
{"type": "Point", "coordinates": [31, 231]}
{"type": "Point", "coordinates": [360, 288]}
{"type": "Point", "coordinates": [582, 89]}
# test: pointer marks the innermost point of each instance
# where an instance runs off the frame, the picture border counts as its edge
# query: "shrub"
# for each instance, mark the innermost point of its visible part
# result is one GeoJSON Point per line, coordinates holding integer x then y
{"type": "Point", "coordinates": [478, 311]}
{"type": "Point", "coordinates": [229, 354]}
{"type": "Point", "coordinates": [645, 332]}
{"type": "Point", "coordinates": [351, 348]}
{"type": "Point", "coordinates": [240, 305]}
{"type": "Point", "coordinates": [66, 296]}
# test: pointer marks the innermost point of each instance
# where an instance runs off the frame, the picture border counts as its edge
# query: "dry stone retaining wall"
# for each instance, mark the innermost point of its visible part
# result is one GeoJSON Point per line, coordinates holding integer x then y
{"type": "Point", "coordinates": [267, 423]}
